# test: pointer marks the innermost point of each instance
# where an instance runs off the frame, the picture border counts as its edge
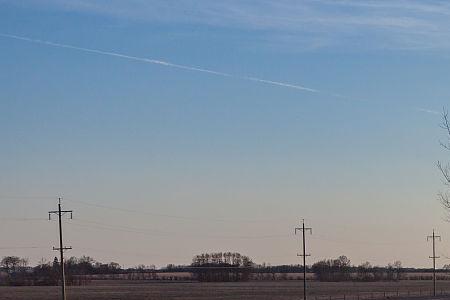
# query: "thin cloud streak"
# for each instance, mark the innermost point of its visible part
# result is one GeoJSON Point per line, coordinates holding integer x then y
{"type": "Point", "coordinates": [343, 24]}
{"type": "Point", "coordinates": [159, 62]}
{"type": "Point", "coordinates": [195, 69]}
{"type": "Point", "coordinates": [428, 111]}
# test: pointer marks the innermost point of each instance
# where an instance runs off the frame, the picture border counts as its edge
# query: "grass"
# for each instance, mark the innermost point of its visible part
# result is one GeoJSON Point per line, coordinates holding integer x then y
{"type": "Point", "coordinates": [274, 290]}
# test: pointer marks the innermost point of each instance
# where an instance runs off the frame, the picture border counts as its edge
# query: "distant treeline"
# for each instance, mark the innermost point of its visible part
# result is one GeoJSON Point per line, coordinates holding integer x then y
{"type": "Point", "coordinates": [340, 269]}
{"type": "Point", "coordinates": [234, 267]}
{"type": "Point", "coordinates": [219, 266]}
{"type": "Point", "coordinates": [16, 271]}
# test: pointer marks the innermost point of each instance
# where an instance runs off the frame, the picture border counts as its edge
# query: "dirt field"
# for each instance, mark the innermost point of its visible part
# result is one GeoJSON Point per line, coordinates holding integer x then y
{"type": "Point", "coordinates": [277, 290]}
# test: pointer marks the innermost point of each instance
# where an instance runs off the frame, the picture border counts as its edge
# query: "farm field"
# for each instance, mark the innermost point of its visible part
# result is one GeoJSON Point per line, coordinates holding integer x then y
{"type": "Point", "coordinates": [282, 290]}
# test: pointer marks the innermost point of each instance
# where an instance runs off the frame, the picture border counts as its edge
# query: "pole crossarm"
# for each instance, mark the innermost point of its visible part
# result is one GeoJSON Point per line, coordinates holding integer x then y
{"type": "Point", "coordinates": [63, 212]}
{"type": "Point", "coordinates": [303, 229]}
{"type": "Point", "coordinates": [64, 248]}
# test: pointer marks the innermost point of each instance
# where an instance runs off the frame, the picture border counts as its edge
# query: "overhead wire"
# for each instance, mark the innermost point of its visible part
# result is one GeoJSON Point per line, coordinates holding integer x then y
{"type": "Point", "coordinates": [155, 214]}
{"type": "Point", "coordinates": [354, 242]}
{"type": "Point", "coordinates": [21, 247]}
{"type": "Point", "coordinates": [155, 232]}
{"type": "Point", "coordinates": [149, 213]}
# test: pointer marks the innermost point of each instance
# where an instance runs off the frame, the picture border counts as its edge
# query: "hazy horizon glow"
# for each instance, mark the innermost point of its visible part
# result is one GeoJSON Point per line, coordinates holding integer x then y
{"type": "Point", "coordinates": [204, 126]}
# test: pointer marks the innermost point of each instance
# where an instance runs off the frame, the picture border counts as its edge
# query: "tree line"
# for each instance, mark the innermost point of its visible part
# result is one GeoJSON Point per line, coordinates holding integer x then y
{"type": "Point", "coordinates": [15, 270]}
{"type": "Point", "coordinates": [341, 269]}
{"type": "Point", "coordinates": [221, 266]}
{"type": "Point", "coordinates": [217, 266]}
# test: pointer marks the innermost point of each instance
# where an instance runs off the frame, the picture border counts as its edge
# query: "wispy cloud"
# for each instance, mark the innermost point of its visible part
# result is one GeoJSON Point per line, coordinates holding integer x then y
{"type": "Point", "coordinates": [395, 24]}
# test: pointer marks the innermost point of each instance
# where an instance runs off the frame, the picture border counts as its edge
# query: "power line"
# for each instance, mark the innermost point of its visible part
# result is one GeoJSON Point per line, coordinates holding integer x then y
{"type": "Point", "coordinates": [156, 214]}
{"type": "Point", "coordinates": [357, 242]}
{"type": "Point", "coordinates": [151, 231]}
{"type": "Point", "coordinates": [5, 197]}
{"type": "Point", "coordinates": [123, 228]}
{"type": "Point", "coordinates": [61, 248]}
{"type": "Point", "coordinates": [154, 232]}
{"type": "Point", "coordinates": [110, 251]}
{"type": "Point", "coordinates": [303, 229]}
{"type": "Point", "coordinates": [21, 219]}
{"type": "Point", "coordinates": [21, 247]}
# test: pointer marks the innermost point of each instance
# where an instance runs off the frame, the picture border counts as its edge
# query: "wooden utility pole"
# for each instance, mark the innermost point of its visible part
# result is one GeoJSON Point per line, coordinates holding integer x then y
{"type": "Point", "coordinates": [303, 229]}
{"type": "Point", "coordinates": [61, 248]}
{"type": "Point", "coordinates": [433, 238]}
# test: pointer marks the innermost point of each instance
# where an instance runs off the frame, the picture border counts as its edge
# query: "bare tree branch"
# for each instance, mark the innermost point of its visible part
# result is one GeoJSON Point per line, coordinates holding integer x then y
{"type": "Point", "coordinates": [444, 197]}
{"type": "Point", "coordinates": [446, 126]}
{"type": "Point", "coordinates": [445, 170]}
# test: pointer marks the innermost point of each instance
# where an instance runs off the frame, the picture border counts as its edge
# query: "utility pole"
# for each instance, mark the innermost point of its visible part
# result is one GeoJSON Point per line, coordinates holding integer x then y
{"type": "Point", "coordinates": [303, 229]}
{"type": "Point", "coordinates": [433, 238]}
{"type": "Point", "coordinates": [61, 248]}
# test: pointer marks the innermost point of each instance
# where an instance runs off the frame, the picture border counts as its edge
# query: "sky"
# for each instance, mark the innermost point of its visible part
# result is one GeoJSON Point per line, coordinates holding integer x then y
{"type": "Point", "coordinates": [173, 128]}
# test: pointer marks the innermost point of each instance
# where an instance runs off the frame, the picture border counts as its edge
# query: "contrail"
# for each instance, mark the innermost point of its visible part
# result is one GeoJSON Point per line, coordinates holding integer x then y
{"type": "Point", "coordinates": [159, 62]}
{"type": "Point", "coordinates": [428, 111]}
{"type": "Point", "coordinates": [196, 69]}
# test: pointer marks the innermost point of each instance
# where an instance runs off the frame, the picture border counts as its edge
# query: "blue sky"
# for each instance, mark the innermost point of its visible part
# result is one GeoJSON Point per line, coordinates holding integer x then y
{"type": "Point", "coordinates": [242, 160]}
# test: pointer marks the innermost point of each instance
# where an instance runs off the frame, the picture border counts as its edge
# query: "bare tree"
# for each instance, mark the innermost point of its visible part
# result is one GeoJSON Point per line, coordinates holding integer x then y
{"type": "Point", "coordinates": [444, 197]}
{"type": "Point", "coordinates": [11, 263]}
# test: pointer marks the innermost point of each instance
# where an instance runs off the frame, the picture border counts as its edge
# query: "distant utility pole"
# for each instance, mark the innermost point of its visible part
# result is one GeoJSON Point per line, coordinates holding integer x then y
{"type": "Point", "coordinates": [61, 248]}
{"type": "Point", "coordinates": [433, 238]}
{"type": "Point", "coordinates": [303, 230]}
